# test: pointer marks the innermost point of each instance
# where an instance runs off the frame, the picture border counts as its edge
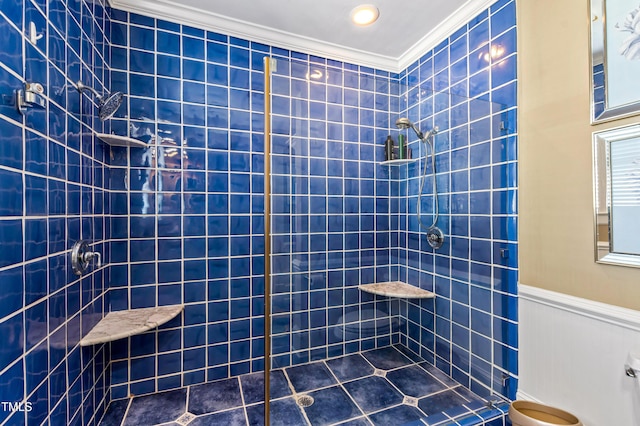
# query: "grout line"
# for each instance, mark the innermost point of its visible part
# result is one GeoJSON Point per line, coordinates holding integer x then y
{"type": "Point", "coordinates": [244, 405]}
{"type": "Point", "coordinates": [295, 396]}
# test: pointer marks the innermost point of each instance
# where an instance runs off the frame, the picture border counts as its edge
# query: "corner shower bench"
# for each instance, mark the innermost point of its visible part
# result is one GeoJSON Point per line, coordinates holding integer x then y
{"type": "Point", "coordinates": [397, 289]}
{"type": "Point", "coordinates": [120, 324]}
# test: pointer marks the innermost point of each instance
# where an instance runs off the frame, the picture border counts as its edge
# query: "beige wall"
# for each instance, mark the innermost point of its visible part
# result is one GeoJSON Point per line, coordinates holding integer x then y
{"type": "Point", "coordinates": [555, 180]}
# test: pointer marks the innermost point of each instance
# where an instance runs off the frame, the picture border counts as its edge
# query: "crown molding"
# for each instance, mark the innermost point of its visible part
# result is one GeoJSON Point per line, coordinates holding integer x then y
{"type": "Point", "coordinates": [171, 11]}
{"type": "Point", "coordinates": [457, 19]}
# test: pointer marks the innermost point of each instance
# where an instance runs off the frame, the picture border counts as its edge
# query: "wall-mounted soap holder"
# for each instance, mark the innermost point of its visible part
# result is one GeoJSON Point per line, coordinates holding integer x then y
{"type": "Point", "coordinates": [31, 96]}
{"type": "Point", "coordinates": [81, 257]}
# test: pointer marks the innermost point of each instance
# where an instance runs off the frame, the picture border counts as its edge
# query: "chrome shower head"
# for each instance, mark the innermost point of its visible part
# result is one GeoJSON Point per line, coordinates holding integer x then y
{"type": "Point", "coordinates": [404, 123]}
{"type": "Point", "coordinates": [107, 106]}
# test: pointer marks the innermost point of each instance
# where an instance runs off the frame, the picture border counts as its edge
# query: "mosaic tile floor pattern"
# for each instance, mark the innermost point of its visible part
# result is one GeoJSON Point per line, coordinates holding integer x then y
{"type": "Point", "coordinates": [386, 386]}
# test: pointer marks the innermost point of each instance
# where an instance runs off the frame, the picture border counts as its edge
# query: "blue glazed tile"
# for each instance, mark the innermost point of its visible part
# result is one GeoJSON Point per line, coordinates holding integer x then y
{"type": "Point", "coordinates": [350, 367]}
{"type": "Point", "coordinates": [194, 359]}
{"type": "Point", "coordinates": [35, 281]}
{"type": "Point", "coordinates": [231, 417]}
{"type": "Point", "coordinates": [283, 412]}
{"type": "Point", "coordinates": [157, 408]}
{"type": "Point", "coordinates": [169, 363]}
{"type": "Point", "coordinates": [35, 196]}
{"type": "Point", "coordinates": [11, 152]}
{"type": "Point", "coordinates": [331, 405]}
{"type": "Point", "coordinates": [12, 292]}
{"type": "Point", "coordinates": [11, 193]}
{"type": "Point", "coordinates": [253, 386]}
{"type": "Point", "coordinates": [217, 52]}
{"type": "Point", "coordinates": [11, 387]}
{"type": "Point", "coordinates": [193, 47]}
{"type": "Point", "coordinates": [168, 66]}
{"type": "Point", "coordinates": [356, 422]}
{"type": "Point", "coordinates": [401, 415]}
{"type": "Point", "coordinates": [503, 19]}
{"type": "Point", "coordinates": [447, 401]}
{"type": "Point", "coordinates": [215, 396]}
{"type": "Point", "coordinates": [373, 393]}
{"type": "Point", "coordinates": [414, 381]}
{"type": "Point", "coordinates": [115, 413]}
{"type": "Point", "coordinates": [310, 376]}
{"type": "Point", "coordinates": [12, 241]}
{"type": "Point", "coordinates": [141, 85]}
{"type": "Point", "coordinates": [386, 358]}
{"type": "Point", "coordinates": [142, 62]}
{"type": "Point", "coordinates": [168, 42]}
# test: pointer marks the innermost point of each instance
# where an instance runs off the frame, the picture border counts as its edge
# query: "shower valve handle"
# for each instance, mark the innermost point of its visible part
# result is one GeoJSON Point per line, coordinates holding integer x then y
{"type": "Point", "coordinates": [81, 257]}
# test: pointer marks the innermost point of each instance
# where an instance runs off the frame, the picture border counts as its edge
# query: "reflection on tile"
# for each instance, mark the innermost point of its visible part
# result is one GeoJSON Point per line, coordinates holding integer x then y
{"type": "Point", "coordinates": [310, 376]}
{"type": "Point", "coordinates": [475, 402]}
{"type": "Point", "coordinates": [331, 405]}
{"type": "Point", "coordinates": [438, 374]}
{"type": "Point", "coordinates": [253, 386]}
{"type": "Point", "coordinates": [232, 417]}
{"type": "Point", "coordinates": [408, 353]}
{"type": "Point", "coordinates": [284, 412]}
{"type": "Point", "coordinates": [350, 367]}
{"type": "Point", "coordinates": [414, 381]}
{"type": "Point", "coordinates": [157, 408]}
{"type": "Point", "coordinates": [448, 401]}
{"type": "Point", "coordinates": [373, 393]}
{"type": "Point", "coordinates": [115, 413]}
{"type": "Point", "coordinates": [387, 358]}
{"type": "Point", "coordinates": [400, 415]}
{"type": "Point", "coordinates": [215, 396]}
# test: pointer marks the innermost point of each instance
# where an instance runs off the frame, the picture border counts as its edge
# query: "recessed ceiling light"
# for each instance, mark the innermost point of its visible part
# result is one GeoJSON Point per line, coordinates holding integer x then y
{"type": "Point", "coordinates": [364, 14]}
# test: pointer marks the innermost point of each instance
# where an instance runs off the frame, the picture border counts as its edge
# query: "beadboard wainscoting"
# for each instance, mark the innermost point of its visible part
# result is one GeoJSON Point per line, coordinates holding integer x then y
{"type": "Point", "coordinates": [572, 356]}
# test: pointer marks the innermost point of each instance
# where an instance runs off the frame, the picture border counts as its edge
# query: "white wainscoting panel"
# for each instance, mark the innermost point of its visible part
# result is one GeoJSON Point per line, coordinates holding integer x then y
{"type": "Point", "coordinates": [572, 355]}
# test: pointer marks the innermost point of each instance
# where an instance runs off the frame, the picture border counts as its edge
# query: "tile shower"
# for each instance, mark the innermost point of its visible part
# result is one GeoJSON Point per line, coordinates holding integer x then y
{"type": "Point", "coordinates": [182, 221]}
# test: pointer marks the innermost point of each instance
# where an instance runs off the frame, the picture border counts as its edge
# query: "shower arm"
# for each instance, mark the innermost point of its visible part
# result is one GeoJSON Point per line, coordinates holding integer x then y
{"type": "Point", "coordinates": [81, 87]}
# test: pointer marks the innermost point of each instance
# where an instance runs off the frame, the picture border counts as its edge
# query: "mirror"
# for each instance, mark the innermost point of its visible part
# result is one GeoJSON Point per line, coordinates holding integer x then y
{"type": "Point", "coordinates": [615, 59]}
{"type": "Point", "coordinates": [617, 195]}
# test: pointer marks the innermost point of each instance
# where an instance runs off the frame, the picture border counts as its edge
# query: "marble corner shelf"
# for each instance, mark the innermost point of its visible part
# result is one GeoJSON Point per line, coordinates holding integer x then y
{"type": "Point", "coordinates": [115, 140]}
{"type": "Point", "coordinates": [120, 324]}
{"type": "Point", "coordinates": [397, 289]}
{"type": "Point", "coordinates": [399, 162]}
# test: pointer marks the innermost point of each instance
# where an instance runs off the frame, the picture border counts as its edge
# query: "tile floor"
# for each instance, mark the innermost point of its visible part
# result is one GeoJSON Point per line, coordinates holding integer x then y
{"type": "Point", "coordinates": [387, 386]}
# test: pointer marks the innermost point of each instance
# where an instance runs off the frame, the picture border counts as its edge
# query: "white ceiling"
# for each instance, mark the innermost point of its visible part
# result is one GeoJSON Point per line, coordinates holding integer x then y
{"type": "Point", "coordinates": [405, 30]}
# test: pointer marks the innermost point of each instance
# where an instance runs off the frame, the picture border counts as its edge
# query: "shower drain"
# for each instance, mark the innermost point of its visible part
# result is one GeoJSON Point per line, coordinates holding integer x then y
{"type": "Point", "coordinates": [305, 401]}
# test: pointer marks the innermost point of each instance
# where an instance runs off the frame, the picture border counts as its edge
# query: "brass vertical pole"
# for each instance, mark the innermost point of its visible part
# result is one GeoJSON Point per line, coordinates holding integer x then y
{"type": "Point", "coordinates": [267, 238]}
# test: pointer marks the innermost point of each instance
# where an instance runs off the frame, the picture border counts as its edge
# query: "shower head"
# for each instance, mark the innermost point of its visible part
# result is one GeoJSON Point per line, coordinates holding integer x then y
{"type": "Point", "coordinates": [405, 123]}
{"type": "Point", "coordinates": [107, 105]}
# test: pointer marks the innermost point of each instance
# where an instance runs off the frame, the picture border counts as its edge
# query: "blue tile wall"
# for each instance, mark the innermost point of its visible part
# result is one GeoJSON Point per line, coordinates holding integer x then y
{"type": "Point", "coordinates": [182, 220]}
{"type": "Point", "coordinates": [192, 203]}
{"type": "Point", "coordinates": [467, 87]}
{"type": "Point", "coordinates": [52, 171]}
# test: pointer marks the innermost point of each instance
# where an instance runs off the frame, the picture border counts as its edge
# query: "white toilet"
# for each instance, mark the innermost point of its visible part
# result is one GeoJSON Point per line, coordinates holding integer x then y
{"type": "Point", "coordinates": [527, 413]}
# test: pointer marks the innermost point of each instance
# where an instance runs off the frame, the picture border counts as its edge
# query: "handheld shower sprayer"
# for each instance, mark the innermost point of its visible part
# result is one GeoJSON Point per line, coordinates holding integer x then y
{"type": "Point", "coordinates": [107, 105]}
{"type": "Point", "coordinates": [404, 123]}
{"type": "Point", "coordinates": [435, 236]}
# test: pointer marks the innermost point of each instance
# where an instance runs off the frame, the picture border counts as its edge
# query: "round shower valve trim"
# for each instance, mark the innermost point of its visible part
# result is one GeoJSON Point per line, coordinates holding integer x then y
{"type": "Point", "coordinates": [435, 237]}
{"type": "Point", "coordinates": [81, 257]}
